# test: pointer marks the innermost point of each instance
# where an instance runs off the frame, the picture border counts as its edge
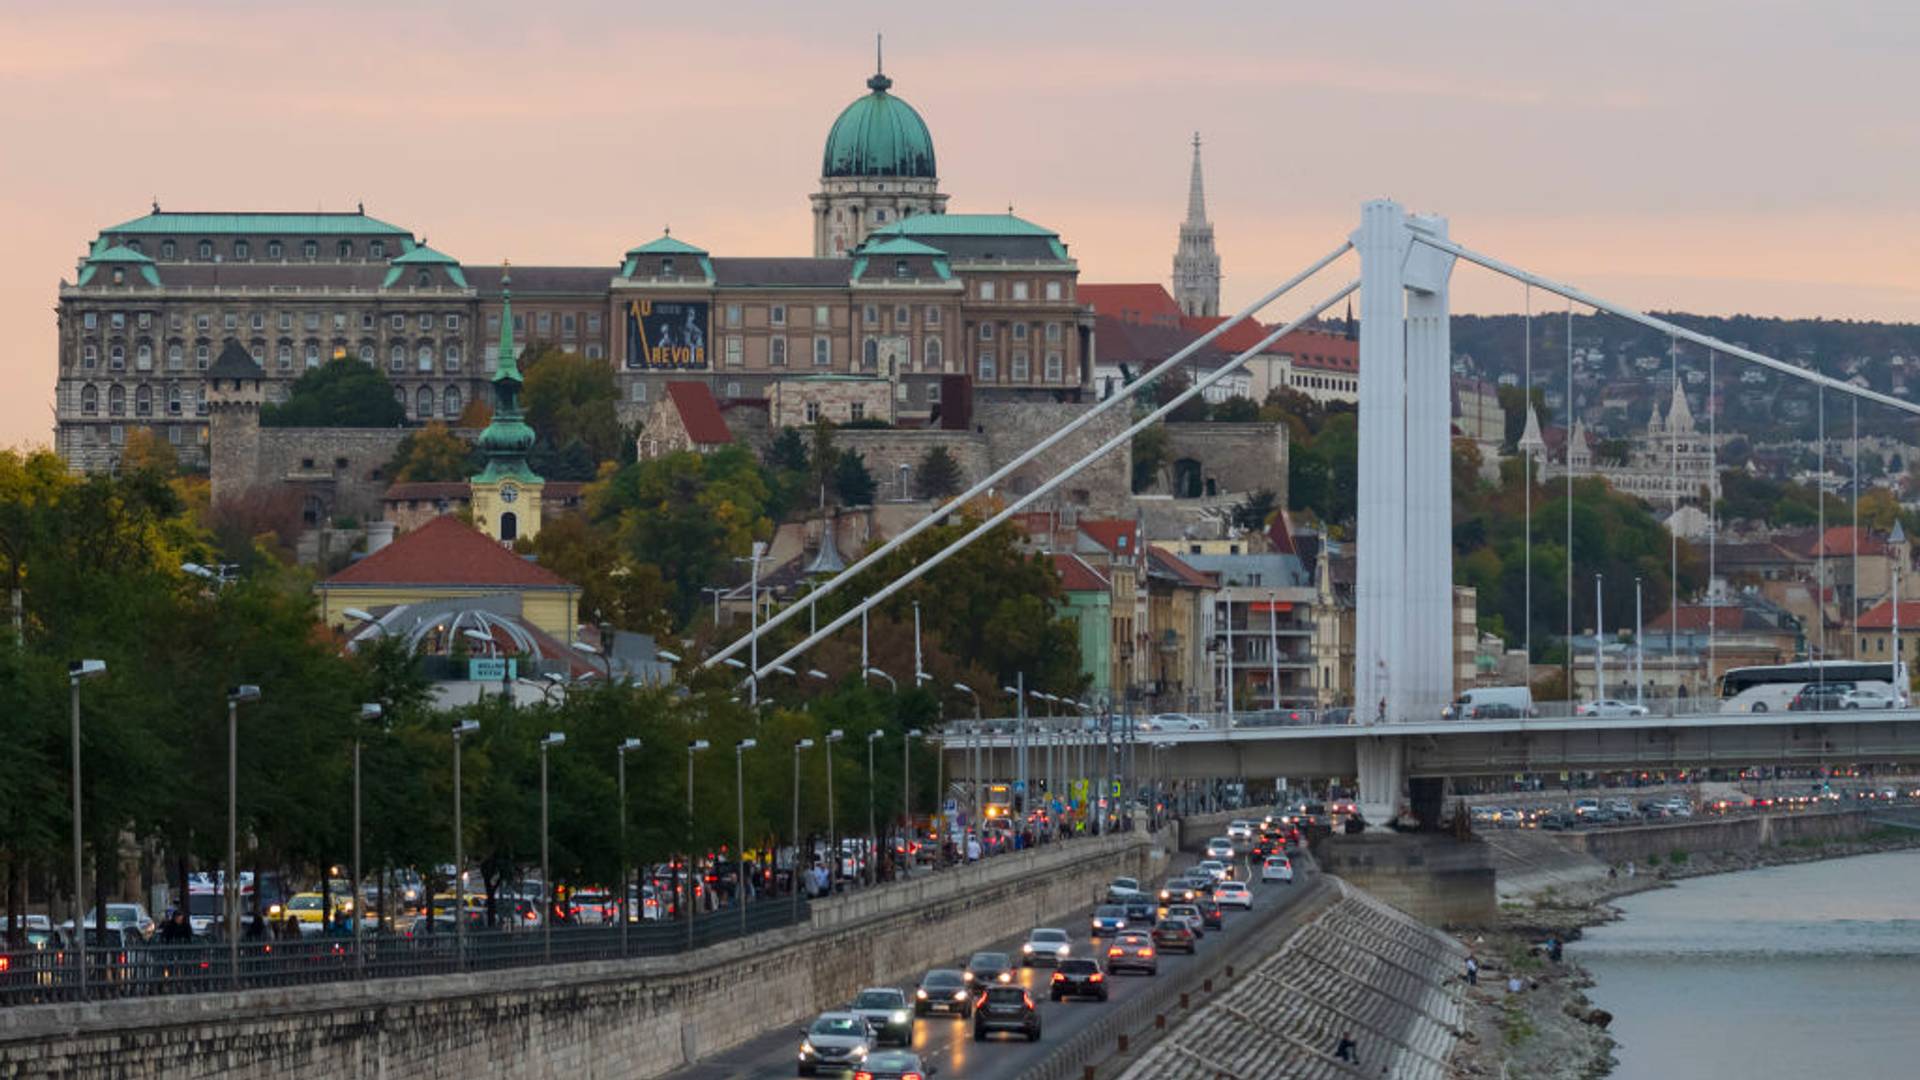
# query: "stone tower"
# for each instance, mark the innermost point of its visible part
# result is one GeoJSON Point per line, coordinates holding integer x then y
{"type": "Point", "coordinates": [1196, 267]}
{"type": "Point", "coordinates": [507, 493]}
{"type": "Point", "coordinates": [878, 168]}
{"type": "Point", "coordinates": [234, 397]}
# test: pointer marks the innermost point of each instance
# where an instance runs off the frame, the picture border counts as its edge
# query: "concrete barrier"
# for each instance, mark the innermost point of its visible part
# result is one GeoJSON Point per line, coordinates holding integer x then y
{"type": "Point", "coordinates": [626, 1018]}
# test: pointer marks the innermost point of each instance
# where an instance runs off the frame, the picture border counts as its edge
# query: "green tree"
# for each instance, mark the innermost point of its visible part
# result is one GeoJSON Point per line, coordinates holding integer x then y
{"type": "Point", "coordinates": [1256, 510]}
{"type": "Point", "coordinates": [432, 454]}
{"type": "Point", "coordinates": [687, 514]}
{"type": "Point", "coordinates": [787, 452]}
{"type": "Point", "coordinates": [571, 399]}
{"type": "Point", "coordinates": [1513, 401]}
{"type": "Point", "coordinates": [852, 483]}
{"type": "Point", "coordinates": [339, 393]}
{"type": "Point", "coordinates": [1151, 455]}
{"type": "Point", "coordinates": [938, 475]}
{"type": "Point", "coordinates": [1235, 410]}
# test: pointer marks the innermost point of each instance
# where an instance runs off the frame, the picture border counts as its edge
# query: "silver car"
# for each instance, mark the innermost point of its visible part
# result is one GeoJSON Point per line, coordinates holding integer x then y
{"type": "Point", "coordinates": [835, 1042]}
{"type": "Point", "coordinates": [887, 1013]}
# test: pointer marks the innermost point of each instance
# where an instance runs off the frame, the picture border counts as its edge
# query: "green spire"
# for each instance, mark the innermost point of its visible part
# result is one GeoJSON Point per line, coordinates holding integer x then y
{"type": "Point", "coordinates": [507, 437]}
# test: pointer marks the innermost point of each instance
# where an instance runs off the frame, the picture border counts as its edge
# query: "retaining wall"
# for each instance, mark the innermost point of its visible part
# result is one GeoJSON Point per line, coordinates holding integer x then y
{"type": "Point", "coordinates": [1746, 832]}
{"type": "Point", "coordinates": [1436, 879]}
{"type": "Point", "coordinates": [622, 1018]}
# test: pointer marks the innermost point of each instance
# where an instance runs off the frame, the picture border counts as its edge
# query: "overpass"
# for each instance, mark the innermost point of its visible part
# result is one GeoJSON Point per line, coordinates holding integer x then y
{"type": "Point", "coordinates": [989, 749]}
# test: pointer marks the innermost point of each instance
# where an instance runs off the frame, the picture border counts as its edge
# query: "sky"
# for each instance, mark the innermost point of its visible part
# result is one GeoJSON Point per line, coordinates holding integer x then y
{"type": "Point", "coordinates": [1720, 158]}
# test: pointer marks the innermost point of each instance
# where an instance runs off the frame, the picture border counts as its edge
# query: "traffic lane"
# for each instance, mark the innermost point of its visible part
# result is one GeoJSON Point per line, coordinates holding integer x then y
{"type": "Point", "coordinates": [947, 1043]}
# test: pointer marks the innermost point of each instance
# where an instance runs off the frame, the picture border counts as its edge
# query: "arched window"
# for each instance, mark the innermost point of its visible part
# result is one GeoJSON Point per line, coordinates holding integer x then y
{"type": "Point", "coordinates": [423, 357]}
{"type": "Point", "coordinates": [313, 353]}
{"type": "Point", "coordinates": [143, 356]}
{"type": "Point", "coordinates": [117, 356]}
{"type": "Point", "coordinates": [173, 401]}
{"type": "Point", "coordinates": [453, 358]}
{"type": "Point", "coordinates": [452, 402]}
{"type": "Point", "coordinates": [283, 355]}
{"type": "Point", "coordinates": [423, 402]}
{"type": "Point", "coordinates": [870, 354]}
{"type": "Point", "coordinates": [274, 250]}
{"type": "Point", "coordinates": [509, 526]}
{"type": "Point", "coordinates": [346, 249]}
{"type": "Point", "coordinates": [935, 361]}
{"type": "Point", "coordinates": [242, 250]}
{"type": "Point", "coordinates": [422, 279]}
{"type": "Point", "coordinates": [89, 400]}
{"type": "Point", "coordinates": [377, 249]}
{"type": "Point", "coordinates": [205, 249]}
{"type": "Point", "coordinates": [397, 357]}
{"type": "Point", "coordinates": [116, 400]}
{"type": "Point", "coordinates": [143, 401]}
{"type": "Point", "coordinates": [166, 249]}
{"type": "Point", "coordinates": [310, 249]}
{"type": "Point", "coordinates": [367, 355]}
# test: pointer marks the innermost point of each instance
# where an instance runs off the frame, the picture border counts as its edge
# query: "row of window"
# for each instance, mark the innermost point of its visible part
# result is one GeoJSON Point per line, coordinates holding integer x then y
{"type": "Point", "coordinates": [1019, 367]}
{"type": "Point", "coordinates": [543, 323]}
{"type": "Point", "coordinates": [989, 289]}
{"type": "Point", "coordinates": [116, 434]}
{"type": "Point", "coordinates": [424, 401]}
{"type": "Point", "coordinates": [313, 352]}
{"type": "Point", "coordinates": [230, 320]}
{"type": "Point", "coordinates": [177, 401]}
{"type": "Point", "coordinates": [1021, 331]}
{"type": "Point", "coordinates": [242, 250]}
{"type": "Point", "coordinates": [732, 390]}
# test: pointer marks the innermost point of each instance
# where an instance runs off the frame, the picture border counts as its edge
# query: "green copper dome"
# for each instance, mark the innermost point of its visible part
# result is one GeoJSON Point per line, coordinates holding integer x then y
{"type": "Point", "coordinates": [879, 135]}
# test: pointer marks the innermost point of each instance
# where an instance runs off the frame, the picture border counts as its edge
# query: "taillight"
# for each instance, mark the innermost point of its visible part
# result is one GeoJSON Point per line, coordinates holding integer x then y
{"type": "Point", "coordinates": [1026, 997]}
{"type": "Point", "coordinates": [1113, 952]}
{"type": "Point", "coordinates": [1095, 977]}
{"type": "Point", "coordinates": [1058, 977]}
{"type": "Point", "coordinates": [1146, 952]}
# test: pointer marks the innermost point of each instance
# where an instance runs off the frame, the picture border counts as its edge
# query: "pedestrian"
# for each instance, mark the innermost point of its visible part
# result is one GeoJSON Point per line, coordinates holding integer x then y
{"type": "Point", "coordinates": [1629, 868]}
{"type": "Point", "coordinates": [1473, 970]}
{"type": "Point", "coordinates": [1514, 985]}
{"type": "Point", "coordinates": [1553, 948]}
{"type": "Point", "coordinates": [1347, 1050]}
{"type": "Point", "coordinates": [973, 849]}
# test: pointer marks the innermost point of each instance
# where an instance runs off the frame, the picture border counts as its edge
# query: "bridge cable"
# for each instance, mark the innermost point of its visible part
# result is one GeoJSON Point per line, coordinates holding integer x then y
{"type": "Point", "coordinates": [1713, 518]}
{"type": "Point", "coordinates": [1673, 518]}
{"type": "Point", "coordinates": [1056, 480]}
{"type": "Point", "coordinates": [1820, 496]}
{"type": "Point", "coordinates": [1526, 465]}
{"type": "Point", "coordinates": [1567, 460]}
{"type": "Point", "coordinates": [987, 482]}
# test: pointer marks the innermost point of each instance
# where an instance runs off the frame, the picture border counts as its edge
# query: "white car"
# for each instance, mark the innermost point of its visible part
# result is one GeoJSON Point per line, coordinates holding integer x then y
{"type": "Point", "coordinates": [1235, 893]}
{"type": "Point", "coordinates": [1220, 848]}
{"type": "Point", "coordinates": [1173, 722]}
{"type": "Point", "coordinates": [1215, 869]}
{"type": "Point", "coordinates": [1609, 709]}
{"type": "Point", "coordinates": [1277, 868]}
{"type": "Point", "coordinates": [1185, 913]}
{"type": "Point", "coordinates": [1046, 946]}
{"type": "Point", "coordinates": [1240, 831]}
{"type": "Point", "coordinates": [1864, 697]}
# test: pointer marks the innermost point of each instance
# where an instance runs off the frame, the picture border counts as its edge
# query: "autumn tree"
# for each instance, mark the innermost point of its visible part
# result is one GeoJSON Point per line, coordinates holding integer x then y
{"type": "Point", "coordinates": [432, 454]}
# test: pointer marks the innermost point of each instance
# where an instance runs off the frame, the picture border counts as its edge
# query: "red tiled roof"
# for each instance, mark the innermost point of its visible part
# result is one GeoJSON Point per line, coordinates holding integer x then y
{"type": "Point", "coordinates": [447, 551]}
{"type": "Point", "coordinates": [1839, 542]}
{"type": "Point", "coordinates": [1076, 575]}
{"type": "Point", "coordinates": [699, 413]}
{"type": "Point", "coordinates": [1146, 304]}
{"type": "Point", "coordinates": [1119, 536]}
{"type": "Point", "coordinates": [1880, 617]}
{"type": "Point", "coordinates": [1280, 534]}
{"type": "Point", "coordinates": [1698, 618]}
{"type": "Point", "coordinates": [1243, 336]}
{"type": "Point", "coordinates": [1321, 350]}
{"type": "Point", "coordinates": [1174, 565]}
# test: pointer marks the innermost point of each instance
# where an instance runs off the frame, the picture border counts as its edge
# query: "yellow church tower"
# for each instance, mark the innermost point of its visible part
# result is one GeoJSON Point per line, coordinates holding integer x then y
{"type": "Point", "coordinates": [507, 494]}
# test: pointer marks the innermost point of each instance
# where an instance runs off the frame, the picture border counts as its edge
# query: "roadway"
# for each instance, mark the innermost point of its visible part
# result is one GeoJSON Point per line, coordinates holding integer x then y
{"type": "Point", "coordinates": [947, 1044]}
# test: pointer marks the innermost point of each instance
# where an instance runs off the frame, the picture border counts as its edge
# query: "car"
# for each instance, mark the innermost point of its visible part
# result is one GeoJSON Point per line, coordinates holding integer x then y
{"type": "Point", "coordinates": [834, 1042]}
{"type": "Point", "coordinates": [1609, 709]}
{"type": "Point", "coordinates": [1240, 831]}
{"type": "Point", "coordinates": [1121, 889]}
{"type": "Point", "coordinates": [1078, 977]}
{"type": "Point", "coordinates": [1107, 919]}
{"type": "Point", "coordinates": [986, 968]}
{"type": "Point", "coordinates": [1220, 848]}
{"type": "Point", "coordinates": [943, 990]}
{"type": "Point", "coordinates": [1557, 820]}
{"type": "Point", "coordinates": [593, 909]}
{"type": "Point", "coordinates": [1005, 1008]}
{"type": "Point", "coordinates": [1173, 722]}
{"type": "Point", "coordinates": [1215, 869]}
{"type": "Point", "coordinates": [1186, 914]}
{"type": "Point", "coordinates": [893, 1065]}
{"type": "Point", "coordinates": [1140, 912]}
{"type": "Point", "coordinates": [1233, 894]}
{"type": "Point", "coordinates": [1865, 697]}
{"type": "Point", "coordinates": [1821, 697]}
{"type": "Point", "coordinates": [1210, 914]}
{"type": "Point", "coordinates": [1132, 951]}
{"type": "Point", "coordinates": [1277, 868]}
{"type": "Point", "coordinates": [1046, 946]}
{"type": "Point", "coordinates": [886, 1013]}
{"type": "Point", "coordinates": [308, 910]}
{"type": "Point", "coordinates": [133, 917]}
{"type": "Point", "coordinates": [1177, 891]}
{"type": "Point", "coordinates": [1583, 807]}
{"type": "Point", "coordinates": [1172, 934]}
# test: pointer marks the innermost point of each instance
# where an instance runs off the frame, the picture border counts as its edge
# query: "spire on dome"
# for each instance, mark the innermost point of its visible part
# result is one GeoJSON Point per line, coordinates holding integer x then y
{"type": "Point", "coordinates": [506, 367]}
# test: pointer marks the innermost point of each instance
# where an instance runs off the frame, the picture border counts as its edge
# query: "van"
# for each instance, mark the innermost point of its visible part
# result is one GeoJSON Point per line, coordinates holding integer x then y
{"type": "Point", "coordinates": [1494, 703]}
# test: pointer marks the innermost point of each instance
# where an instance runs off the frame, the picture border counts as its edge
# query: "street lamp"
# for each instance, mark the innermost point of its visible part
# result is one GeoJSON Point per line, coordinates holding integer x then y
{"type": "Point", "coordinates": [973, 761]}
{"type": "Point", "coordinates": [794, 871]}
{"type": "Point", "coordinates": [460, 730]}
{"type": "Point", "coordinates": [906, 796]}
{"type": "Point", "coordinates": [553, 739]}
{"type": "Point", "coordinates": [759, 553]}
{"type": "Point", "coordinates": [235, 696]}
{"type": "Point", "coordinates": [77, 670]}
{"type": "Point", "coordinates": [833, 835]}
{"type": "Point", "coordinates": [717, 594]}
{"type": "Point", "coordinates": [873, 831]}
{"type": "Point", "coordinates": [606, 656]}
{"type": "Point", "coordinates": [368, 711]}
{"type": "Point", "coordinates": [740, 795]}
{"type": "Point", "coordinates": [893, 684]}
{"type": "Point", "coordinates": [621, 751]}
{"type": "Point", "coordinates": [693, 746]}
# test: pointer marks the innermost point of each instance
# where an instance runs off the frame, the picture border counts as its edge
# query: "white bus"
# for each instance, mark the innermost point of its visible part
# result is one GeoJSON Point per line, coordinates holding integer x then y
{"type": "Point", "coordinates": [1771, 688]}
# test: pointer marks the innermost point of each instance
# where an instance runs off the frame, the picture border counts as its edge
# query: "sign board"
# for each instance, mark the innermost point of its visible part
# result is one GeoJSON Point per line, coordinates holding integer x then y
{"type": "Point", "coordinates": [495, 669]}
{"type": "Point", "coordinates": [667, 335]}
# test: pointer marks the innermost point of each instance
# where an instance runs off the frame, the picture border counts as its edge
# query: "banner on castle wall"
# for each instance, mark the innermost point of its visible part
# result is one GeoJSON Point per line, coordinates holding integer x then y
{"type": "Point", "coordinates": [667, 335]}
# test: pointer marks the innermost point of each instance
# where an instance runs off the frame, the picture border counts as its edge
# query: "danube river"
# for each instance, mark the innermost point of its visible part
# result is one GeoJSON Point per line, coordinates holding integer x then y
{"type": "Point", "coordinates": [1810, 970]}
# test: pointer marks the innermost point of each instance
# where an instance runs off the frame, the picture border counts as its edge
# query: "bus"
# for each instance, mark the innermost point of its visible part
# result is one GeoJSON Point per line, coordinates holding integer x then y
{"type": "Point", "coordinates": [999, 802]}
{"type": "Point", "coordinates": [1771, 688]}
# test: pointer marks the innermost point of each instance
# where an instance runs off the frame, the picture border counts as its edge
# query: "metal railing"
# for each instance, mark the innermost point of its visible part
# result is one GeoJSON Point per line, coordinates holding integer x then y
{"type": "Point", "coordinates": [142, 969]}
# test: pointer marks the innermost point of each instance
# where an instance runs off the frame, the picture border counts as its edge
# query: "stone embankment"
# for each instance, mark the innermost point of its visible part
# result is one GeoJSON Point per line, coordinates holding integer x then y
{"type": "Point", "coordinates": [1359, 969]}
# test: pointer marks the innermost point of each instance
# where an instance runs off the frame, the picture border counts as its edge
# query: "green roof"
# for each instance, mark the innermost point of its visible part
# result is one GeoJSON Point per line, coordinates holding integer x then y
{"type": "Point", "coordinates": [118, 253]}
{"type": "Point", "coordinates": [299, 224]}
{"type": "Point", "coordinates": [422, 255]}
{"type": "Point", "coordinates": [899, 245]}
{"type": "Point", "coordinates": [963, 225]}
{"type": "Point", "coordinates": [879, 135]}
{"type": "Point", "coordinates": [666, 245]}
{"type": "Point", "coordinates": [104, 255]}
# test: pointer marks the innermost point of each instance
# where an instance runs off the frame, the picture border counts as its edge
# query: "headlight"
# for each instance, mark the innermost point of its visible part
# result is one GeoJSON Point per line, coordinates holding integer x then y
{"type": "Point", "coordinates": [1006, 976]}
{"type": "Point", "coordinates": [807, 1050]}
{"type": "Point", "coordinates": [921, 994]}
{"type": "Point", "coordinates": [859, 1053]}
{"type": "Point", "coordinates": [1026, 948]}
{"type": "Point", "coordinates": [899, 1016]}
{"type": "Point", "coordinates": [959, 995]}
{"type": "Point", "coordinates": [1063, 950]}
{"type": "Point", "coordinates": [968, 976]}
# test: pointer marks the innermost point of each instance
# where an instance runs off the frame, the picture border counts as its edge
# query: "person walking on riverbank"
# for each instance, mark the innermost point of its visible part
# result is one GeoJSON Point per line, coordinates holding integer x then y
{"type": "Point", "coordinates": [1473, 970]}
{"type": "Point", "coordinates": [1347, 1050]}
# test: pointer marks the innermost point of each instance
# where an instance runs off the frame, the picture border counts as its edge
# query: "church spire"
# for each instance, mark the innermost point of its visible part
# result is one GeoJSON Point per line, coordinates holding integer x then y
{"type": "Point", "coordinates": [1196, 189]}
{"type": "Point", "coordinates": [507, 437]}
{"type": "Point", "coordinates": [1196, 267]}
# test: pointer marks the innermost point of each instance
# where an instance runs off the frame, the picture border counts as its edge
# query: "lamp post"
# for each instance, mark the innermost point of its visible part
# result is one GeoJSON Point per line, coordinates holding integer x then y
{"type": "Point", "coordinates": [973, 760]}
{"type": "Point", "coordinates": [906, 797]}
{"type": "Point", "coordinates": [873, 831]}
{"type": "Point", "coordinates": [717, 592]}
{"type": "Point", "coordinates": [693, 746]}
{"type": "Point", "coordinates": [833, 835]}
{"type": "Point", "coordinates": [77, 670]}
{"type": "Point", "coordinates": [460, 731]}
{"type": "Point", "coordinates": [621, 752]}
{"type": "Point", "coordinates": [1019, 692]}
{"type": "Point", "coordinates": [1640, 650]}
{"type": "Point", "coordinates": [553, 739]}
{"type": "Point", "coordinates": [368, 711]}
{"type": "Point", "coordinates": [919, 670]}
{"type": "Point", "coordinates": [892, 683]}
{"type": "Point", "coordinates": [740, 794]}
{"type": "Point", "coordinates": [794, 872]}
{"type": "Point", "coordinates": [1273, 647]}
{"type": "Point", "coordinates": [235, 696]}
{"type": "Point", "coordinates": [753, 599]}
{"type": "Point", "coordinates": [1599, 647]}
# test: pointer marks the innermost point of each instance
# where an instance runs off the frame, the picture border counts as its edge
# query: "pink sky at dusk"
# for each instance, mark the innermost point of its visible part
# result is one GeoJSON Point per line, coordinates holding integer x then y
{"type": "Point", "coordinates": [1713, 157]}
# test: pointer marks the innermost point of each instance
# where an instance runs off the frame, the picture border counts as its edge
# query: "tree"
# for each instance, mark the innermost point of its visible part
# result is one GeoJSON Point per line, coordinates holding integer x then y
{"type": "Point", "coordinates": [339, 393]}
{"type": "Point", "coordinates": [686, 513]}
{"type": "Point", "coordinates": [824, 456]}
{"type": "Point", "coordinates": [1172, 385]}
{"type": "Point", "coordinates": [568, 399]}
{"type": "Point", "coordinates": [1150, 457]}
{"type": "Point", "coordinates": [613, 587]}
{"type": "Point", "coordinates": [1513, 401]}
{"type": "Point", "coordinates": [1256, 510]}
{"type": "Point", "coordinates": [477, 413]}
{"type": "Point", "coordinates": [852, 483]}
{"type": "Point", "coordinates": [1235, 410]}
{"type": "Point", "coordinates": [146, 451]}
{"type": "Point", "coordinates": [787, 451]}
{"type": "Point", "coordinates": [432, 454]}
{"type": "Point", "coordinates": [938, 475]}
